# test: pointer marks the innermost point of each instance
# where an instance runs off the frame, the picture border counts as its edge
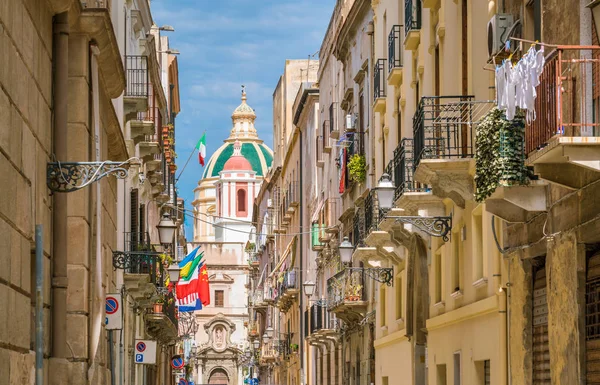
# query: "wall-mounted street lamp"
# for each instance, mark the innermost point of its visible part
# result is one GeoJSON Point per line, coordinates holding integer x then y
{"type": "Point", "coordinates": [309, 288]}
{"type": "Point", "coordinates": [346, 250]}
{"type": "Point", "coordinates": [166, 28]}
{"type": "Point", "coordinates": [256, 344]}
{"type": "Point", "coordinates": [166, 229]}
{"type": "Point", "coordinates": [434, 226]}
{"type": "Point", "coordinates": [72, 176]}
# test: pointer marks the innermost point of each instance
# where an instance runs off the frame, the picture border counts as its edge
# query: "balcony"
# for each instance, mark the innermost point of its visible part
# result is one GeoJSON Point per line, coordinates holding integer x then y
{"type": "Point", "coordinates": [334, 131]}
{"type": "Point", "coordinates": [149, 147]}
{"type": "Point", "coordinates": [323, 325]}
{"type": "Point", "coordinates": [144, 124]}
{"type": "Point", "coordinates": [270, 351]}
{"type": "Point", "coordinates": [444, 130]}
{"type": "Point", "coordinates": [257, 299]}
{"type": "Point", "coordinates": [395, 53]}
{"type": "Point", "coordinates": [346, 294]}
{"type": "Point", "coordinates": [253, 329]}
{"type": "Point", "coordinates": [137, 84]}
{"type": "Point", "coordinates": [287, 289]}
{"type": "Point", "coordinates": [379, 86]}
{"type": "Point", "coordinates": [293, 189]}
{"type": "Point", "coordinates": [163, 325]}
{"type": "Point", "coordinates": [412, 24]}
{"type": "Point", "coordinates": [143, 267]}
{"type": "Point", "coordinates": [320, 151]}
{"type": "Point", "coordinates": [563, 143]}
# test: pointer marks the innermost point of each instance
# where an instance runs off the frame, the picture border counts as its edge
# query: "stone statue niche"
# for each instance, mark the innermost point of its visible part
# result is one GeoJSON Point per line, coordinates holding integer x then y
{"type": "Point", "coordinates": [219, 330]}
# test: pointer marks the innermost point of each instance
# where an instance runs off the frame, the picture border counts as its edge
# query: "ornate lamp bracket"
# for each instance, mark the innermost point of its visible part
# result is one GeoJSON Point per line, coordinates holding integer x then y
{"type": "Point", "coordinates": [72, 176]}
{"type": "Point", "coordinates": [434, 226]}
{"type": "Point", "coordinates": [379, 274]}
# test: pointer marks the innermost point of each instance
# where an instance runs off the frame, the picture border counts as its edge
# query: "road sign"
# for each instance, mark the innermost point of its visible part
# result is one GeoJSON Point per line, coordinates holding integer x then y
{"type": "Point", "coordinates": [145, 352]}
{"type": "Point", "coordinates": [112, 306]}
{"type": "Point", "coordinates": [140, 346]}
{"type": "Point", "coordinates": [183, 381]}
{"type": "Point", "coordinates": [177, 362]}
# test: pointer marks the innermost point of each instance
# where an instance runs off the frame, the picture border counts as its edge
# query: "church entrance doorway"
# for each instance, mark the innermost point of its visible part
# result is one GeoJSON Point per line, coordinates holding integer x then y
{"type": "Point", "coordinates": [218, 377]}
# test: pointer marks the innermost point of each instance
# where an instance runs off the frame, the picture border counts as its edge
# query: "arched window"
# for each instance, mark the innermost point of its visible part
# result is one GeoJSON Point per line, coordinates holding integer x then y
{"type": "Point", "coordinates": [241, 202]}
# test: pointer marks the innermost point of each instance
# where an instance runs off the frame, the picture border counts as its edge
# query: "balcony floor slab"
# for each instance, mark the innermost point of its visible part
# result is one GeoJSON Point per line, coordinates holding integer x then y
{"type": "Point", "coordinates": [448, 178]}
{"type": "Point", "coordinates": [517, 203]}
{"type": "Point", "coordinates": [572, 162]}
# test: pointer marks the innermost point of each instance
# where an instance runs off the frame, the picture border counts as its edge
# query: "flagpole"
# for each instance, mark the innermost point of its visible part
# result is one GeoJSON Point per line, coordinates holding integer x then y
{"type": "Point", "coordinates": [186, 162]}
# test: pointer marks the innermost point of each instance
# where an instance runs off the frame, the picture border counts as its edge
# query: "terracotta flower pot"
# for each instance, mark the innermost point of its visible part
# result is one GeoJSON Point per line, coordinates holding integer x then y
{"type": "Point", "coordinates": [158, 307]}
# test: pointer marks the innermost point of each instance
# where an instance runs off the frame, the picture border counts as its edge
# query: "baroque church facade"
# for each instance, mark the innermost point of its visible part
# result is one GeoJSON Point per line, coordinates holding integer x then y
{"type": "Point", "coordinates": [223, 202]}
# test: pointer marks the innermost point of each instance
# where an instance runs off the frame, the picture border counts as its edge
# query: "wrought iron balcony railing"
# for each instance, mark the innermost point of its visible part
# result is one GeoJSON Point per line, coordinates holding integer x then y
{"type": "Point", "coordinates": [445, 126]}
{"type": "Point", "coordinates": [404, 169]}
{"type": "Point", "coordinates": [320, 320]}
{"type": "Point", "coordinates": [345, 286]}
{"type": "Point", "coordinates": [141, 262]}
{"type": "Point", "coordinates": [564, 105]}
{"type": "Point", "coordinates": [371, 212]}
{"type": "Point", "coordinates": [136, 68]}
{"type": "Point", "coordinates": [270, 349]}
{"type": "Point", "coordinates": [379, 81]}
{"type": "Point", "coordinates": [358, 228]}
{"type": "Point", "coordinates": [395, 48]}
{"type": "Point", "coordinates": [170, 309]}
{"type": "Point", "coordinates": [412, 15]}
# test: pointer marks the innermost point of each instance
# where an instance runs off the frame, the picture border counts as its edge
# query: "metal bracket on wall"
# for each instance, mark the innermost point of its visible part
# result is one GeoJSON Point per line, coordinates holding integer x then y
{"type": "Point", "coordinates": [434, 226]}
{"type": "Point", "coordinates": [379, 274]}
{"type": "Point", "coordinates": [72, 176]}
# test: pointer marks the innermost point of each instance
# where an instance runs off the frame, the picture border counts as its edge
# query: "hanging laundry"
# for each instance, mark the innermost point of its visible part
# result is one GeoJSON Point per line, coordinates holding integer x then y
{"type": "Point", "coordinates": [515, 85]}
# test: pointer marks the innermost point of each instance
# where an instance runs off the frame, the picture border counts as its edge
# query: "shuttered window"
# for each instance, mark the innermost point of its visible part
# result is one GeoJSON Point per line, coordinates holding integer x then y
{"type": "Point", "coordinates": [219, 298]}
{"type": "Point", "coordinates": [592, 320]}
{"type": "Point", "coordinates": [541, 352]}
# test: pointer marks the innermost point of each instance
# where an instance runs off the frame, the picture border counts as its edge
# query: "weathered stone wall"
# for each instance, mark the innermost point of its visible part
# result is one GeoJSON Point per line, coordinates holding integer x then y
{"type": "Point", "coordinates": [565, 266]}
{"type": "Point", "coordinates": [25, 146]}
{"type": "Point", "coordinates": [521, 321]}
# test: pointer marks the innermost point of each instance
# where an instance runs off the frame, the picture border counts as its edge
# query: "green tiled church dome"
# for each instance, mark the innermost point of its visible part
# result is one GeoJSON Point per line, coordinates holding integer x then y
{"type": "Point", "coordinates": [253, 149]}
{"type": "Point", "coordinates": [258, 154]}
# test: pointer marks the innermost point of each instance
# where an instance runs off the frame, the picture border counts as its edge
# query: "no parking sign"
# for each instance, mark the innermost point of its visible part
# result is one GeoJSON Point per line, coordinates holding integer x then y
{"type": "Point", "coordinates": [112, 308]}
{"type": "Point", "coordinates": [145, 352]}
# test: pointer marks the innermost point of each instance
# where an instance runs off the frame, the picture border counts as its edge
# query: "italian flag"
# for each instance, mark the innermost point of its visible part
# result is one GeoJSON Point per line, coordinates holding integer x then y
{"type": "Point", "coordinates": [201, 147]}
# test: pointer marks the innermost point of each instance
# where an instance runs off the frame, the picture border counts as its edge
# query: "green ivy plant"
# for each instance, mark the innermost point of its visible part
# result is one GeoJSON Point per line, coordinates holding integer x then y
{"type": "Point", "coordinates": [500, 153]}
{"type": "Point", "coordinates": [357, 168]}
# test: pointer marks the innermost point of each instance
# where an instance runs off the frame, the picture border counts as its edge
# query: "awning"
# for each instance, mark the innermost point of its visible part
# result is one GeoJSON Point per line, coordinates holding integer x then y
{"type": "Point", "coordinates": [315, 216]}
{"type": "Point", "coordinates": [290, 249]}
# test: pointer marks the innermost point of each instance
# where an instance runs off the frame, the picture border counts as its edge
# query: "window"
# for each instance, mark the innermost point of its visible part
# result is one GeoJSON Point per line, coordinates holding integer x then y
{"type": "Point", "coordinates": [382, 306]}
{"type": "Point", "coordinates": [241, 201]}
{"type": "Point", "coordinates": [384, 380]}
{"type": "Point", "coordinates": [399, 297]}
{"type": "Point", "coordinates": [456, 243]}
{"type": "Point", "coordinates": [478, 259]}
{"type": "Point", "coordinates": [219, 298]}
{"type": "Point", "coordinates": [438, 276]}
{"type": "Point", "coordinates": [457, 368]}
{"type": "Point", "coordinates": [441, 374]}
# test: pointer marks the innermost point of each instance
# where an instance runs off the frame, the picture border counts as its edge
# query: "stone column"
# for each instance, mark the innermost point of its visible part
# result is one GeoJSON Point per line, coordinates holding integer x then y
{"type": "Point", "coordinates": [565, 274]}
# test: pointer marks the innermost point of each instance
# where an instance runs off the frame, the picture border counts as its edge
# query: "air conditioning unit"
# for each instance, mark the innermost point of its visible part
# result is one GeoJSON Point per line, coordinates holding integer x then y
{"type": "Point", "coordinates": [351, 121]}
{"type": "Point", "coordinates": [498, 29]}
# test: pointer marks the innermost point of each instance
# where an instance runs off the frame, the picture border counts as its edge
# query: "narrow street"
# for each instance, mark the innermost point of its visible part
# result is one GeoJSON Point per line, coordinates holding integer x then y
{"type": "Point", "coordinates": [310, 192]}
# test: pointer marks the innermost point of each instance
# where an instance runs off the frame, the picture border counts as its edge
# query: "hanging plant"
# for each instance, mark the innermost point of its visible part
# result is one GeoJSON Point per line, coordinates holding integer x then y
{"type": "Point", "coordinates": [500, 153]}
{"type": "Point", "coordinates": [357, 168]}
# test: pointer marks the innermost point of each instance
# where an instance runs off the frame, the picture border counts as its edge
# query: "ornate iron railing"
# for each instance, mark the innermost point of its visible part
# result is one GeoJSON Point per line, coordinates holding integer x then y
{"type": "Point", "coordinates": [404, 169]}
{"type": "Point", "coordinates": [379, 81]}
{"type": "Point", "coordinates": [395, 47]}
{"type": "Point", "coordinates": [345, 286]}
{"type": "Point", "coordinates": [563, 106]}
{"type": "Point", "coordinates": [358, 228]}
{"type": "Point", "coordinates": [136, 68]}
{"type": "Point", "coordinates": [371, 212]}
{"type": "Point", "coordinates": [170, 309]}
{"type": "Point", "coordinates": [445, 126]}
{"type": "Point", "coordinates": [141, 262]}
{"type": "Point", "coordinates": [412, 15]}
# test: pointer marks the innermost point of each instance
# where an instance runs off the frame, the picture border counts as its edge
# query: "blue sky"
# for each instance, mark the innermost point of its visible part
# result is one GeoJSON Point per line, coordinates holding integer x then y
{"type": "Point", "coordinates": [227, 43]}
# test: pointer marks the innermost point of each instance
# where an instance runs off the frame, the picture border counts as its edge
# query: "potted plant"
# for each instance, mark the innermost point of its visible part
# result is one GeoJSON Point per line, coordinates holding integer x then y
{"type": "Point", "coordinates": [357, 168]}
{"type": "Point", "coordinates": [294, 348]}
{"type": "Point", "coordinates": [158, 305]}
{"type": "Point", "coordinates": [172, 168]}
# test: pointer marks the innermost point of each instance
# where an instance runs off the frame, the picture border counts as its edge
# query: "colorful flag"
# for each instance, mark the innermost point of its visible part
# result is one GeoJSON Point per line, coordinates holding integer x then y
{"type": "Point", "coordinates": [184, 308]}
{"type": "Point", "coordinates": [190, 257]}
{"type": "Point", "coordinates": [203, 288]}
{"type": "Point", "coordinates": [201, 147]}
{"type": "Point", "coordinates": [187, 269]}
{"type": "Point", "coordinates": [188, 286]}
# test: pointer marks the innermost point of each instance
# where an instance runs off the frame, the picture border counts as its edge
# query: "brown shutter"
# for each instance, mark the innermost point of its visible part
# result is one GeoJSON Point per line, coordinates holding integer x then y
{"type": "Point", "coordinates": [541, 351]}
{"type": "Point", "coordinates": [592, 320]}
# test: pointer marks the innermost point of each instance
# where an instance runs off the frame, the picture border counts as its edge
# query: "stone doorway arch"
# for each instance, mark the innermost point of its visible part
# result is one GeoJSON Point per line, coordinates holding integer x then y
{"type": "Point", "coordinates": [218, 377]}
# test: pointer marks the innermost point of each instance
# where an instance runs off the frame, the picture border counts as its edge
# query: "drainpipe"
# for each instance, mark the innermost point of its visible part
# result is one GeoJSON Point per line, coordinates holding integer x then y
{"type": "Point", "coordinates": [96, 324]}
{"type": "Point", "coordinates": [301, 295]}
{"type": "Point", "coordinates": [39, 305]}
{"type": "Point", "coordinates": [504, 311]}
{"type": "Point", "coordinates": [59, 210]}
